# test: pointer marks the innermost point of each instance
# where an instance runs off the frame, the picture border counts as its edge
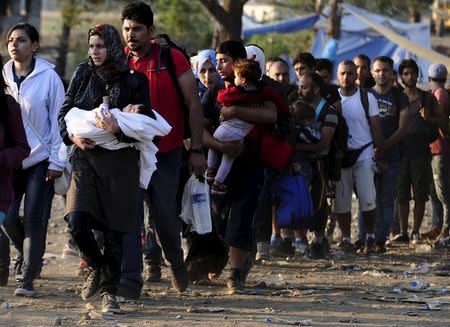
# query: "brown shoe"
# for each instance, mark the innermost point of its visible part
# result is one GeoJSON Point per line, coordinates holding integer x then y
{"type": "Point", "coordinates": [180, 279]}
{"type": "Point", "coordinates": [432, 234]}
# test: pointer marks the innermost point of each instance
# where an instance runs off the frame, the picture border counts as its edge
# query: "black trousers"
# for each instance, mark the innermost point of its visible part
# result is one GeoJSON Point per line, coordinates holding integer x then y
{"type": "Point", "coordinates": [109, 261]}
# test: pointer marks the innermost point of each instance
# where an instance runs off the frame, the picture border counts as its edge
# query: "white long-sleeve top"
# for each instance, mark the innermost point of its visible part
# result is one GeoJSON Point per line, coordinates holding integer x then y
{"type": "Point", "coordinates": [40, 97]}
{"type": "Point", "coordinates": [142, 128]}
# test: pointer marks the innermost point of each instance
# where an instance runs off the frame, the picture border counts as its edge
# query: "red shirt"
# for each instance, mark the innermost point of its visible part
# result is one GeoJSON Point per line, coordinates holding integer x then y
{"type": "Point", "coordinates": [441, 145]}
{"type": "Point", "coordinates": [163, 94]}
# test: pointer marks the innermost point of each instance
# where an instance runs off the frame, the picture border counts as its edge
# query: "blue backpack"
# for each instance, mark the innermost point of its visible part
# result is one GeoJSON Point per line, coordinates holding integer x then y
{"type": "Point", "coordinates": [295, 207]}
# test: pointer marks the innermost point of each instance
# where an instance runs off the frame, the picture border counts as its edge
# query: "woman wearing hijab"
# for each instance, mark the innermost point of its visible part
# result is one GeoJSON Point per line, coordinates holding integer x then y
{"type": "Point", "coordinates": [13, 150]}
{"type": "Point", "coordinates": [104, 186]}
{"type": "Point", "coordinates": [34, 84]}
{"type": "Point", "coordinates": [205, 69]}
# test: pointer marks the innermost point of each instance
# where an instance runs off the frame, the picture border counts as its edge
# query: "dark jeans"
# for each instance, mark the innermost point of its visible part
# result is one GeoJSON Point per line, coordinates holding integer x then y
{"type": "Point", "coordinates": [27, 234]}
{"type": "Point", "coordinates": [81, 225]}
{"type": "Point", "coordinates": [440, 191]}
{"type": "Point", "coordinates": [162, 193]}
{"type": "Point", "coordinates": [4, 250]}
{"type": "Point", "coordinates": [385, 185]}
{"type": "Point", "coordinates": [263, 214]}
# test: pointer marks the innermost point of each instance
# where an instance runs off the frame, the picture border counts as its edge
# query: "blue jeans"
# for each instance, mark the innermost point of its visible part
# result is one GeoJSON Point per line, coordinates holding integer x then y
{"type": "Point", "coordinates": [440, 191]}
{"type": "Point", "coordinates": [385, 185]}
{"type": "Point", "coordinates": [162, 193]}
{"type": "Point", "coordinates": [27, 233]}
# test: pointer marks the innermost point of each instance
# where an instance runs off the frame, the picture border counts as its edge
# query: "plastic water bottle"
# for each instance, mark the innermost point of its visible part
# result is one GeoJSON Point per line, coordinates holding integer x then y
{"type": "Point", "coordinates": [201, 207]}
{"type": "Point", "coordinates": [419, 284]}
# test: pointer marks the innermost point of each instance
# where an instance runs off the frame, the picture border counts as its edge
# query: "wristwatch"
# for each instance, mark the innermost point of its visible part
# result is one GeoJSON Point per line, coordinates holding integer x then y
{"type": "Point", "coordinates": [196, 150]}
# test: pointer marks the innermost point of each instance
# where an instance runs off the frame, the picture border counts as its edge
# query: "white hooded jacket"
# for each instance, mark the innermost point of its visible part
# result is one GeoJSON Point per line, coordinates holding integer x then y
{"type": "Point", "coordinates": [40, 97]}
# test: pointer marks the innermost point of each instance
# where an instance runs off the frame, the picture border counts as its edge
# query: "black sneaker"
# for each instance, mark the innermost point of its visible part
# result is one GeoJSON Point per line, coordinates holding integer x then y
{"type": "Point", "coordinates": [369, 249]}
{"type": "Point", "coordinates": [346, 246]}
{"type": "Point", "coordinates": [380, 247]}
{"type": "Point", "coordinates": [153, 274]}
{"type": "Point", "coordinates": [235, 283]}
{"type": "Point", "coordinates": [319, 250]}
{"type": "Point", "coordinates": [284, 249]}
{"type": "Point", "coordinates": [359, 245]}
{"type": "Point", "coordinates": [25, 289]}
{"type": "Point", "coordinates": [4, 275]}
{"type": "Point", "coordinates": [180, 279]}
{"type": "Point", "coordinates": [399, 239]}
{"type": "Point", "coordinates": [109, 303]}
{"type": "Point", "coordinates": [91, 283]}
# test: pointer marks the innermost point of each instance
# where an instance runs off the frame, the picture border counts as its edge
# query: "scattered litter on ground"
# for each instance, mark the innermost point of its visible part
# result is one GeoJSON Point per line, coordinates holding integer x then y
{"type": "Point", "coordinates": [89, 306]}
{"type": "Point", "coordinates": [409, 313]}
{"type": "Point", "coordinates": [10, 305]}
{"type": "Point", "coordinates": [192, 309]}
{"type": "Point", "coordinates": [351, 268]}
{"type": "Point", "coordinates": [431, 306]}
{"type": "Point", "coordinates": [374, 273]}
{"type": "Point", "coordinates": [305, 322]}
{"type": "Point", "coordinates": [349, 320]}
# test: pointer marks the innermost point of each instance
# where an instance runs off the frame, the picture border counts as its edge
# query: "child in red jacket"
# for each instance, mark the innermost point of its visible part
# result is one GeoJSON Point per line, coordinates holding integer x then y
{"type": "Point", "coordinates": [247, 92]}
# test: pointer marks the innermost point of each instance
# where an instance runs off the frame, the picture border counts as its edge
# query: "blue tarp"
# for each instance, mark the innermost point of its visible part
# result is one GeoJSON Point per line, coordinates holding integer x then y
{"type": "Point", "coordinates": [356, 37]}
{"type": "Point", "coordinates": [286, 26]}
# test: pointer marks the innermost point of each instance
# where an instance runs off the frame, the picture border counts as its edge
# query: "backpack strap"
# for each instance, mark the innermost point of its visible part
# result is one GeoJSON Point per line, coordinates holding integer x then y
{"type": "Point", "coordinates": [319, 110]}
{"type": "Point", "coordinates": [365, 102]}
{"type": "Point", "coordinates": [166, 57]}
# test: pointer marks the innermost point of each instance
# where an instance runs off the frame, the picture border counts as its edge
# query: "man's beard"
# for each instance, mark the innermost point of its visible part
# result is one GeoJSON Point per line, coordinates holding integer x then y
{"type": "Point", "coordinates": [409, 84]}
{"type": "Point", "coordinates": [308, 98]}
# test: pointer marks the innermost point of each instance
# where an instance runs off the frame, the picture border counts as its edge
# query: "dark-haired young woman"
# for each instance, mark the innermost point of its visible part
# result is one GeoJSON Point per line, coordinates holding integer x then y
{"type": "Point", "coordinates": [34, 84]}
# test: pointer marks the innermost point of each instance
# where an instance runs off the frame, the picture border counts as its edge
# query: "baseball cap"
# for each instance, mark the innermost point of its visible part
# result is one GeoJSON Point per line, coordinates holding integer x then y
{"type": "Point", "coordinates": [437, 71]}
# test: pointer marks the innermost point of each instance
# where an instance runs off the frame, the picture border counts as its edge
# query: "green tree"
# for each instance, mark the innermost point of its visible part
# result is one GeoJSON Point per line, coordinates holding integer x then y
{"type": "Point", "coordinates": [228, 15]}
{"type": "Point", "coordinates": [70, 14]}
{"type": "Point", "coordinates": [275, 44]}
{"type": "Point", "coordinates": [186, 21]}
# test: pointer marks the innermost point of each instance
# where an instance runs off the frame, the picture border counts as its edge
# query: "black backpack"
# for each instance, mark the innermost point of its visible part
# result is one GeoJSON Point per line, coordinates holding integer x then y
{"type": "Point", "coordinates": [338, 145]}
{"type": "Point", "coordinates": [166, 57]}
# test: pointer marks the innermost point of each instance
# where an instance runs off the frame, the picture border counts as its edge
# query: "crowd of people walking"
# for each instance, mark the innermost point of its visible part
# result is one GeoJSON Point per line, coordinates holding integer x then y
{"type": "Point", "coordinates": [282, 160]}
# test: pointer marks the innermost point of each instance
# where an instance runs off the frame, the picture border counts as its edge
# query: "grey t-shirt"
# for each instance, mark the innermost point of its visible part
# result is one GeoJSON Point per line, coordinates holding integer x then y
{"type": "Point", "coordinates": [416, 144]}
{"type": "Point", "coordinates": [390, 105]}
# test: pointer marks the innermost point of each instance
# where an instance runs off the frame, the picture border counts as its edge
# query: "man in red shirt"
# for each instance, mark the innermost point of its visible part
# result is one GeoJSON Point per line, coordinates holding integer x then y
{"type": "Point", "coordinates": [145, 56]}
{"type": "Point", "coordinates": [440, 162]}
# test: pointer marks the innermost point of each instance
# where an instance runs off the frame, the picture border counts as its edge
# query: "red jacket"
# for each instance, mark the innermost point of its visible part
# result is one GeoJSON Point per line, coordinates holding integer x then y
{"type": "Point", "coordinates": [13, 153]}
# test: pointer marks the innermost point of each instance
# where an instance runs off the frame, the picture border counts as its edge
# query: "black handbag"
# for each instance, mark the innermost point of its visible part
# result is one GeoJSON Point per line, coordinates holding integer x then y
{"type": "Point", "coordinates": [351, 156]}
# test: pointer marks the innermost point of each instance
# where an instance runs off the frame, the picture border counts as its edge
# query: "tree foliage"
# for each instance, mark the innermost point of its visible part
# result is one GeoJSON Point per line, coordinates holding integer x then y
{"type": "Point", "coordinates": [186, 21]}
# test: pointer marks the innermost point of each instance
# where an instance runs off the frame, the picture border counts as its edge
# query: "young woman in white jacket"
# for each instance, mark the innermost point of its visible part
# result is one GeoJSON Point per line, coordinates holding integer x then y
{"type": "Point", "coordinates": [35, 85]}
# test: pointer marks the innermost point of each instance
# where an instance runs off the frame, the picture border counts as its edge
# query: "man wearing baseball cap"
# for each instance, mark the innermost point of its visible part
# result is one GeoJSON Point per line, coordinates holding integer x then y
{"type": "Point", "coordinates": [440, 150]}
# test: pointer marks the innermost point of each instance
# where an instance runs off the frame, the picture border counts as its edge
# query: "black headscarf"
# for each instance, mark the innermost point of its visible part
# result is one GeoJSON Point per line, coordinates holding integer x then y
{"type": "Point", "coordinates": [116, 61]}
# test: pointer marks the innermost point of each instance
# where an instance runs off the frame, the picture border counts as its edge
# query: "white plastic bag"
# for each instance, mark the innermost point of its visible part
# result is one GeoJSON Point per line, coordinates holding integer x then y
{"type": "Point", "coordinates": [196, 210]}
{"type": "Point", "coordinates": [62, 183]}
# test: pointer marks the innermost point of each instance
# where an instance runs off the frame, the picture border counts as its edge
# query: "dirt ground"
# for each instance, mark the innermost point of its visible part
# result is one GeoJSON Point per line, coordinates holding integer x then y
{"type": "Point", "coordinates": [339, 291]}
